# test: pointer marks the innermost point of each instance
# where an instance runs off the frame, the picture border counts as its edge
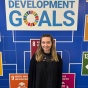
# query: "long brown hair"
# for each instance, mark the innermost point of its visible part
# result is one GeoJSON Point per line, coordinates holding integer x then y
{"type": "Point", "coordinates": [40, 54]}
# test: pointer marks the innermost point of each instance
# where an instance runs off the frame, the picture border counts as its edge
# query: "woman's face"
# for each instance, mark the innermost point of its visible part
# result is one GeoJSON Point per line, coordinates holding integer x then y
{"type": "Point", "coordinates": [46, 44]}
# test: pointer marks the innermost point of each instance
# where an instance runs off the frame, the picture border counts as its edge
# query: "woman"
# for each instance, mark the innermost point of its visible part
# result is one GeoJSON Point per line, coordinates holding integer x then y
{"type": "Point", "coordinates": [46, 65]}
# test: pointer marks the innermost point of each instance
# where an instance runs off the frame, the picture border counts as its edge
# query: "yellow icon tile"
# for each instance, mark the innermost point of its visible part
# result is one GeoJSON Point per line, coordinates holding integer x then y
{"type": "Point", "coordinates": [86, 29]}
{"type": "Point", "coordinates": [1, 69]}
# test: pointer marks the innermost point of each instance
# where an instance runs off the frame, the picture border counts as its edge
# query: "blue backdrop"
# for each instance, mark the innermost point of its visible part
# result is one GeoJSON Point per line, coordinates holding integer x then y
{"type": "Point", "coordinates": [13, 44]}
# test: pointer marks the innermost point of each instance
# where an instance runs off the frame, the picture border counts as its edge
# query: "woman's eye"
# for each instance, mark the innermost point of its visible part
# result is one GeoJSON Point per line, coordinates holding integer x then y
{"type": "Point", "coordinates": [43, 42]}
{"type": "Point", "coordinates": [48, 42]}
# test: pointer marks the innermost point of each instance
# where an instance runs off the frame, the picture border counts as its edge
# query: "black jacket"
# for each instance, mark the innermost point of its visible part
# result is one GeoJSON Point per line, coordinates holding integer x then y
{"type": "Point", "coordinates": [45, 74]}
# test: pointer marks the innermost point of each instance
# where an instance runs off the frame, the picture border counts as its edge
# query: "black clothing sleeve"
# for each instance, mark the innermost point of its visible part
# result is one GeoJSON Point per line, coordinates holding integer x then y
{"type": "Point", "coordinates": [59, 71]}
{"type": "Point", "coordinates": [32, 72]}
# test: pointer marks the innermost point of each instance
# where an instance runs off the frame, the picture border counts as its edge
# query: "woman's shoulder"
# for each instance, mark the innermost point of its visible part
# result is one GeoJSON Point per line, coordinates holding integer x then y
{"type": "Point", "coordinates": [59, 57]}
{"type": "Point", "coordinates": [33, 58]}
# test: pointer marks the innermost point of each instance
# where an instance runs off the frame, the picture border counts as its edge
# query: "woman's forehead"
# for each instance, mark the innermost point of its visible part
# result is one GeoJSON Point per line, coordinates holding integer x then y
{"type": "Point", "coordinates": [46, 38]}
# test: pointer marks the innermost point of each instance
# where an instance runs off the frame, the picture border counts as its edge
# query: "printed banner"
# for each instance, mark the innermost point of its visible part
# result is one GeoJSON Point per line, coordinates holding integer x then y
{"type": "Point", "coordinates": [85, 63]}
{"type": "Point", "coordinates": [86, 29]}
{"type": "Point", "coordinates": [34, 45]}
{"type": "Point", "coordinates": [68, 80]}
{"type": "Point", "coordinates": [1, 68]}
{"type": "Point", "coordinates": [42, 14]}
{"type": "Point", "coordinates": [18, 80]}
